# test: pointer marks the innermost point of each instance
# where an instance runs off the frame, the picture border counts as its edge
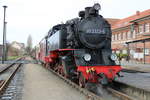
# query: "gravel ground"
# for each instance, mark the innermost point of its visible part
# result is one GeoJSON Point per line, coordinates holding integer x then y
{"type": "Point", "coordinates": [40, 84]}
{"type": "Point", "coordinates": [5, 75]}
{"type": "Point", "coordinates": [14, 89]}
{"type": "Point", "coordinates": [1, 65]}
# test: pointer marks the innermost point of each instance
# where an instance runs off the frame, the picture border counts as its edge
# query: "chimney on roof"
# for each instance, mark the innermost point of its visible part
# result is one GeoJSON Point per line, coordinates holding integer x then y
{"type": "Point", "coordinates": [137, 13]}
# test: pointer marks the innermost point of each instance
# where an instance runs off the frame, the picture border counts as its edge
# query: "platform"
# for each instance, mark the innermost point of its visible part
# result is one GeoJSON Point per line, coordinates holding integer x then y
{"type": "Point", "coordinates": [136, 66]}
{"type": "Point", "coordinates": [40, 84]}
{"type": "Point", "coordinates": [138, 80]}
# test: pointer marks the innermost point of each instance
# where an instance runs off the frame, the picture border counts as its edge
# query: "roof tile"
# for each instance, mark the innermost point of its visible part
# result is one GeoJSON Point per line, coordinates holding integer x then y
{"type": "Point", "coordinates": [126, 21]}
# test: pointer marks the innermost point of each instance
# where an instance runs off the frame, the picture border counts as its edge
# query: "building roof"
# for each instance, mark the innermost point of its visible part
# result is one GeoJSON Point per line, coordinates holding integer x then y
{"type": "Point", "coordinates": [112, 21]}
{"type": "Point", "coordinates": [17, 45]}
{"type": "Point", "coordinates": [127, 21]}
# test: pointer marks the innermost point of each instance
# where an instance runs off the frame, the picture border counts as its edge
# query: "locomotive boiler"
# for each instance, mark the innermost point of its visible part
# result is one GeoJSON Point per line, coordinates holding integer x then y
{"type": "Point", "coordinates": [80, 49]}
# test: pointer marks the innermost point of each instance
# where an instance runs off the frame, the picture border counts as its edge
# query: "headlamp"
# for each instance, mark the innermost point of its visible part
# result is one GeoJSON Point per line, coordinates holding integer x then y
{"type": "Point", "coordinates": [87, 57]}
{"type": "Point", "coordinates": [113, 57]}
{"type": "Point", "coordinates": [97, 6]}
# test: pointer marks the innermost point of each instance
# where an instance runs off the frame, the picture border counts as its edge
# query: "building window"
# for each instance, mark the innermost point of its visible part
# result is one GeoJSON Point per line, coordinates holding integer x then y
{"type": "Point", "coordinates": [141, 29]}
{"type": "Point", "coordinates": [129, 34]}
{"type": "Point", "coordinates": [147, 27]}
{"type": "Point", "coordinates": [134, 34]}
{"type": "Point", "coordinates": [112, 37]}
{"type": "Point", "coordinates": [115, 36]}
{"type": "Point", "coordinates": [119, 36]}
{"type": "Point", "coordinates": [124, 35]}
{"type": "Point", "coordinates": [146, 51]}
{"type": "Point", "coordinates": [144, 27]}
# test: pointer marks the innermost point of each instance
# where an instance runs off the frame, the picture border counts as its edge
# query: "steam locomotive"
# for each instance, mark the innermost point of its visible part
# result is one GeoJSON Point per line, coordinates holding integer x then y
{"type": "Point", "coordinates": [80, 49]}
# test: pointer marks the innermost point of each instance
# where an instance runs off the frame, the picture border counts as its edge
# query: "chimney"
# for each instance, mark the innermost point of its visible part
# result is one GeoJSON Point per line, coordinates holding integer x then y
{"type": "Point", "coordinates": [137, 13]}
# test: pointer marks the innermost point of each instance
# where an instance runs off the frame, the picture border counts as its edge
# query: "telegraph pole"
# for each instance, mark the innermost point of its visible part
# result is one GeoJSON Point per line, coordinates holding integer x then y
{"type": "Point", "coordinates": [4, 36]}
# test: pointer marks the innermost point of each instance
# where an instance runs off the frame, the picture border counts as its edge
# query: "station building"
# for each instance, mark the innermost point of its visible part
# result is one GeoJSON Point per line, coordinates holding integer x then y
{"type": "Point", "coordinates": [131, 36]}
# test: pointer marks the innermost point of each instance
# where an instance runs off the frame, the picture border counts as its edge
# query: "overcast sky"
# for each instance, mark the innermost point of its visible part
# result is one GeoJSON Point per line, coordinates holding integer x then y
{"type": "Point", "coordinates": [36, 17]}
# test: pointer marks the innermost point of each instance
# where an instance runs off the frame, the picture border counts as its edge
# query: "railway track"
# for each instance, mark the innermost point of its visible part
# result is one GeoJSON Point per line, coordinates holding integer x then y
{"type": "Point", "coordinates": [9, 66]}
{"type": "Point", "coordinates": [4, 83]}
{"type": "Point", "coordinates": [7, 90]}
{"type": "Point", "coordinates": [115, 94]}
{"type": "Point", "coordinates": [90, 95]}
{"type": "Point", "coordinates": [112, 93]}
{"type": "Point", "coordinates": [121, 95]}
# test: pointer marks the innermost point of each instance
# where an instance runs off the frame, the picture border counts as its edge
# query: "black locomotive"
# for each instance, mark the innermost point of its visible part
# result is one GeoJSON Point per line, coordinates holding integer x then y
{"type": "Point", "coordinates": [80, 49]}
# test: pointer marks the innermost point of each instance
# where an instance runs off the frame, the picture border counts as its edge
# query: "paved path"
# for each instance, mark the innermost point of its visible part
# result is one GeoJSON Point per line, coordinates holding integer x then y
{"type": "Point", "coordinates": [40, 84]}
{"type": "Point", "coordinates": [139, 80]}
{"type": "Point", "coordinates": [134, 66]}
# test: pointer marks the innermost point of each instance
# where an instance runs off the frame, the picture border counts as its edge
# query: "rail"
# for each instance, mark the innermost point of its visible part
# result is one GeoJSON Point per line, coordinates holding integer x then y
{"type": "Point", "coordinates": [87, 93]}
{"type": "Point", "coordinates": [4, 83]}
{"type": "Point", "coordinates": [8, 66]}
{"type": "Point", "coordinates": [91, 96]}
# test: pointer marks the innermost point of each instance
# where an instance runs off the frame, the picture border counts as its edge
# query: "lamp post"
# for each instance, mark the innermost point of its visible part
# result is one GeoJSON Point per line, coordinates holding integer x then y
{"type": "Point", "coordinates": [4, 36]}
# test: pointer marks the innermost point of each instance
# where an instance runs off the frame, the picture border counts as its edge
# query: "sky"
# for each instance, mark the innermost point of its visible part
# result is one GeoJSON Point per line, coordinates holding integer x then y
{"type": "Point", "coordinates": [36, 17]}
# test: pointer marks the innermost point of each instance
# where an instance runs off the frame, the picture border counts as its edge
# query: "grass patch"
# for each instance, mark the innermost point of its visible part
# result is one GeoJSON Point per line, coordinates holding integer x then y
{"type": "Point", "coordinates": [12, 57]}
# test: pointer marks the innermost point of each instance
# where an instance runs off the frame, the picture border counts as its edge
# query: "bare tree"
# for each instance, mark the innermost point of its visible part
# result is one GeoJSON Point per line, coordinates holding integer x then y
{"type": "Point", "coordinates": [29, 44]}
